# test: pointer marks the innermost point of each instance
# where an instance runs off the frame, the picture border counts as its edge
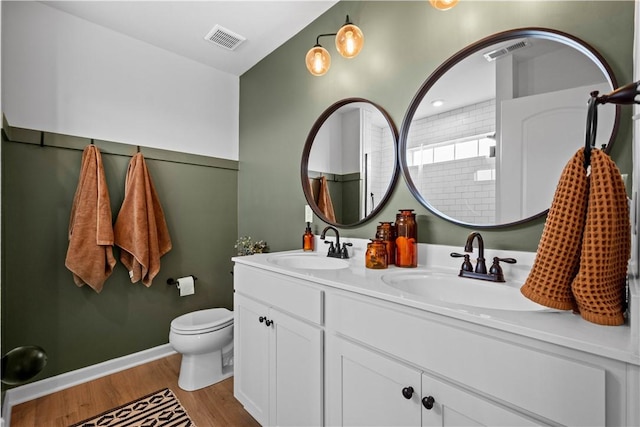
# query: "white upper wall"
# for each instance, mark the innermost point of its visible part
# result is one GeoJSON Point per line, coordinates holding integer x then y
{"type": "Point", "coordinates": [66, 75]}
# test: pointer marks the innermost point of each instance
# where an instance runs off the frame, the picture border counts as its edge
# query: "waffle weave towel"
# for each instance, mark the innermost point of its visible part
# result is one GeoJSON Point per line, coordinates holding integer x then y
{"type": "Point", "coordinates": [582, 257]}
{"type": "Point", "coordinates": [558, 255]}
{"type": "Point", "coordinates": [606, 246]}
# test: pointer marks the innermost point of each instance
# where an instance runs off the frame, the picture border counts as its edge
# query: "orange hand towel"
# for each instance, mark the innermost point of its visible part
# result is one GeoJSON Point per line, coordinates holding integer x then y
{"type": "Point", "coordinates": [141, 230]}
{"type": "Point", "coordinates": [90, 253]}
{"type": "Point", "coordinates": [558, 255]}
{"type": "Point", "coordinates": [324, 200]}
{"type": "Point", "coordinates": [606, 246]}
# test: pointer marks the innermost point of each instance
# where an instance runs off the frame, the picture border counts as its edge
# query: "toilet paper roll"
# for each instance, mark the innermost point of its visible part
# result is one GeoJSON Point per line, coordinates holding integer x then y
{"type": "Point", "coordinates": [186, 286]}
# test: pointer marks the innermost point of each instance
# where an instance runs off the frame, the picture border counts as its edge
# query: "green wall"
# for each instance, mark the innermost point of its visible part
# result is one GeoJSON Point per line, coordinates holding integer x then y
{"type": "Point", "coordinates": [404, 44]}
{"type": "Point", "coordinates": [77, 327]}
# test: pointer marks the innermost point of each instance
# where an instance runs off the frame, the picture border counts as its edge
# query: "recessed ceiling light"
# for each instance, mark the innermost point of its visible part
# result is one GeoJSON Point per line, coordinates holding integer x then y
{"type": "Point", "coordinates": [437, 103]}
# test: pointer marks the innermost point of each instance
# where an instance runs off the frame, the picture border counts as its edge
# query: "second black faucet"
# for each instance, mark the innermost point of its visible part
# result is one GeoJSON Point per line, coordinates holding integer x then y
{"type": "Point", "coordinates": [335, 251]}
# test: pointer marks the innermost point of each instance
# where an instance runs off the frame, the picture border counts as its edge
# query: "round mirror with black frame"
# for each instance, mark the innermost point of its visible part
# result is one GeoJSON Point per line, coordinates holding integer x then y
{"type": "Point", "coordinates": [486, 137]}
{"type": "Point", "coordinates": [349, 162]}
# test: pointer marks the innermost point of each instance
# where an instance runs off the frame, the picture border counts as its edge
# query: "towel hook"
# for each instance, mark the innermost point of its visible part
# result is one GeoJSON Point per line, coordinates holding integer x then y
{"type": "Point", "coordinates": [625, 95]}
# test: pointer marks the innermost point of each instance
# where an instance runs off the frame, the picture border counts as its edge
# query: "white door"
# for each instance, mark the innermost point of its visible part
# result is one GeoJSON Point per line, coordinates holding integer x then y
{"type": "Point", "coordinates": [450, 406]}
{"type": "Point", "coordinates": [366, 388]}
{"type": "Point", "coordinates": [251, 357]}
{"type": "Point", "coordinates": [539, 134]}
{"type": "Point", "coordinates": [296, 374]}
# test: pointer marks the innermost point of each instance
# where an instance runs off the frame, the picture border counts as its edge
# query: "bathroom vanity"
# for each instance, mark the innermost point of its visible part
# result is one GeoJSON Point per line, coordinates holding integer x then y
{"type": "Point", "coordinates": [329, 342]}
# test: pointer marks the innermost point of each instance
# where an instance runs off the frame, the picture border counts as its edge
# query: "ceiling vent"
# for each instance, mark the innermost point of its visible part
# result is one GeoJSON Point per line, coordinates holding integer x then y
{"type": "Point", "coordinates": [224, 38]}
{"type": "Point", "coordinates": [499, 53]}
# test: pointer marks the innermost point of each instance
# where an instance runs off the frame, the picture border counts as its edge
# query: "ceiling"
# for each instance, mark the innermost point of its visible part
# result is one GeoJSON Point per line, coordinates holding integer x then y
{"type": "Point", "coordinates": [181, 26]}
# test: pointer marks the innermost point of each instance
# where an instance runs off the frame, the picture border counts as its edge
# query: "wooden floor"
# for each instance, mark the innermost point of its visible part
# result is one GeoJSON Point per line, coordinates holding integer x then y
{"type": "Point", "coordinates": [208, 407]}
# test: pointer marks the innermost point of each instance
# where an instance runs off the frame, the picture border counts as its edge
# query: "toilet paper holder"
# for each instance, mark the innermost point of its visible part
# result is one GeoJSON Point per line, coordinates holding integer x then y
{"type": "Point", "coordinates": [172, 281]}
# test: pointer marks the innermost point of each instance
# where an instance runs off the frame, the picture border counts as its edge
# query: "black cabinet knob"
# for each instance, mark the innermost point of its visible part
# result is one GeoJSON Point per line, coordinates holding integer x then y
{"type": "Point", "coordinates": [261, 319]}
{"type": "Point", "coordinates": [428, 402]}
{"type": "Point", "coordinates": [268, 322]}
{"type": "Point", "coordinates": [407, 392]}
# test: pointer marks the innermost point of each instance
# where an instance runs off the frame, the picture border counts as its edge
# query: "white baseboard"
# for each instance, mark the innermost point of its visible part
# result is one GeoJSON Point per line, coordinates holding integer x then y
{"type": "Point", "coordinates": [36, 389]}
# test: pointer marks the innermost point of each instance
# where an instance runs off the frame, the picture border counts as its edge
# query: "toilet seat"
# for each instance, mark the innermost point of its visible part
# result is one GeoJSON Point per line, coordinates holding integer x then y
{"type": "Point", "coordinates": [202, 321]}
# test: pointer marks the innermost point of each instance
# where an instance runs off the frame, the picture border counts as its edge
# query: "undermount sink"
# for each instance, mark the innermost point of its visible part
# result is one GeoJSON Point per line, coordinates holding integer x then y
{"type": "Point", "coordinates": [450, 288]}
{"type": "Point", "coordinates": [308, 262]}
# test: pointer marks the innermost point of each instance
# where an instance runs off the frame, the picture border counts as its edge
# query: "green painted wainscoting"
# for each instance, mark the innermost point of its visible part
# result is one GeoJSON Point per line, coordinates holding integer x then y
{"type": "Point", "coordinates": [77, 327]}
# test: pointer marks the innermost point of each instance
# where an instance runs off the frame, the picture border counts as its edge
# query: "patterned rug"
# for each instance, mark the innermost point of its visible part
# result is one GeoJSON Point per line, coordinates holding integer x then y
{"type": "Point", "coordinates": [159, 409]}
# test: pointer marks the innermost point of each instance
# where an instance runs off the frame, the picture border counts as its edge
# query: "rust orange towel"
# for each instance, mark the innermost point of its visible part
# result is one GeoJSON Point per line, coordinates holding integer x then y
{"type": "Point", "coordinates": [90, 253]}
{"type": "Point", "coordinates": [606, 246]}
{"type": "Point", "coordinates": [558, 254]}
{"type": "Point", "coordinates": [324, 200]}
{"type": "Point", "coordinates": [582, 257]}
{"type": "Point", "coordinates": [141, 229]}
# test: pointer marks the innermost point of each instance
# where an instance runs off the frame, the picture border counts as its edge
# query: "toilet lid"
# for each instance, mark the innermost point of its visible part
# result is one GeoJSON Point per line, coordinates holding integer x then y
{"type": "Point", "coordinates": [202, 321]}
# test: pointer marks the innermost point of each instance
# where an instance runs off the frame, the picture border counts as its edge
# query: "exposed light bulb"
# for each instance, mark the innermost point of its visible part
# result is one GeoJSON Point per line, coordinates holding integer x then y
{"type": "Point", "coordinates": [443, 4]}
{"type": "Point", "coordinates": [318, 60]}
{"type": "Point", "coordinates": [349, 40]}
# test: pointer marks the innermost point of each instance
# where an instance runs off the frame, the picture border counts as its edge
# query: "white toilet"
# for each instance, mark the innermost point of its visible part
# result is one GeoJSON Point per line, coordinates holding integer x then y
{"type": "Point", "coordinates": [205, 339]}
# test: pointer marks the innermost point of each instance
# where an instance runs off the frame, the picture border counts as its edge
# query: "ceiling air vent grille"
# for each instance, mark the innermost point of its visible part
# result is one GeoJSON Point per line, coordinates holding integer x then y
{"type": "Point", "coordinates": [224, 38]}
{"type": "Point", "coordinates": [498, 53]}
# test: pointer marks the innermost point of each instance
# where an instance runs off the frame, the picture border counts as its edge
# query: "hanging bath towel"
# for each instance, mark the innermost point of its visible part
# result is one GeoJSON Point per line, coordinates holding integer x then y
{"type": "Point", "coordinates": [141, 230]}
{"type": "Point", "coordinates": [324, 200]}
{"type": "Point", "coordinates": [90, 253]}
{"type": "Point", "coordinates": [558, 254]}
{"type": "Point", "coordinates": [599, 285]}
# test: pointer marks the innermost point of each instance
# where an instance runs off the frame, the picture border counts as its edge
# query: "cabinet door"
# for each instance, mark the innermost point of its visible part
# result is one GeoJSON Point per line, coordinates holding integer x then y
{"type": "Point", "coordinates": [251, 363]}
{"type": "Point", "coordinates": [366, 388]}
{"type": "Point", "coordinates": [455, 407]}
{"type": "Point", "coordinates": [296, 374]}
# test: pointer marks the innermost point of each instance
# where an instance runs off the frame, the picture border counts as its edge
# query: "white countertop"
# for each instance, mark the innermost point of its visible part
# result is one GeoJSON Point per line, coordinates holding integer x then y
{"type": "Point", "coordinates": [562, 328]}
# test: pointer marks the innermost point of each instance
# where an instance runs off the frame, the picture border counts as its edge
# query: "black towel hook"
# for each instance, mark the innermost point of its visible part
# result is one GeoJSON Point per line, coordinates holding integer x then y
{"type": "Point", "coordinates": [625, 95]}
{"type": "Point", "coordinates": [592, 128]}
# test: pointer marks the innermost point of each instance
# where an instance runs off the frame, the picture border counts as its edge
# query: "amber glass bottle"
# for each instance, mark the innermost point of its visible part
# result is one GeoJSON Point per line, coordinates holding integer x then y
{"type": "Point", "coordinates": [387, 232]}
{"type": "Point", "coordinates": [376, 255]}
{"type": "Point", "coordinates": [307, 239]}
{"type": "Point", "coordinates": [406, 239]}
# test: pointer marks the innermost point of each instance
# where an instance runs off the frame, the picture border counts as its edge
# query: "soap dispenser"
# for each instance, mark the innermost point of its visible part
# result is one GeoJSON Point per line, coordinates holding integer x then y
{"type": "Point", "coordinates": [307, 239]}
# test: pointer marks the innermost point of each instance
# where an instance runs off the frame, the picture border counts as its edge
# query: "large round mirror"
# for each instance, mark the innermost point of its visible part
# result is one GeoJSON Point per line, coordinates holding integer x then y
{"type": "Point", "coordinates": [349, 163]}
{"type": "Point", "coordinates": [488, 134]}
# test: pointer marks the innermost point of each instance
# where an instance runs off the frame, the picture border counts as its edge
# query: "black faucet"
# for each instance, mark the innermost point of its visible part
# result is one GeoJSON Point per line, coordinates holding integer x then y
{"type": "Point", "coordinates": [335, 251]}
{"type": "Point", "coordinates": [481, 266]}
{"type": "Point", "coordinates": [495, 272]}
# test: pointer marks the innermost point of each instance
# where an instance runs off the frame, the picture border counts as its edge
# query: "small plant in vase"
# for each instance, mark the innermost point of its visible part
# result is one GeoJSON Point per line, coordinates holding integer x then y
{"type": "Point", "coordinates": [246, 246]}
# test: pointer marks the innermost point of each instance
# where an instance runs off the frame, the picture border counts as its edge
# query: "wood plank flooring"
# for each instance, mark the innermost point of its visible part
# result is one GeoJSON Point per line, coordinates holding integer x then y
{"type": "Point", "coordinates": [211, 406]}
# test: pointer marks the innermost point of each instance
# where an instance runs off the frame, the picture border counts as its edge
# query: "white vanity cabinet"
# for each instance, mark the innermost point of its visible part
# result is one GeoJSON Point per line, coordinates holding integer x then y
{"type": "Point", "coordinates": [367, 388]}
{"type": "Point", "coordinates": [278, 343]}
{"type": "Point", "coordinates": [339, 348]}
{"type": "Point", "coordinates": [476, 376]}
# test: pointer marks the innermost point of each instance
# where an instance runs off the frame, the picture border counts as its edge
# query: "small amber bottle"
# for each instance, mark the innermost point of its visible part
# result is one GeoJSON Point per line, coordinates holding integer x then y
{"type": "Point", "coordinates": [307, 239]}
{"type": "Point", "coordinates": [376, 255]}
{"type": "Point", "coordinates": [386, 231]}
{"type": "Point", "coordinates": [406, 239]}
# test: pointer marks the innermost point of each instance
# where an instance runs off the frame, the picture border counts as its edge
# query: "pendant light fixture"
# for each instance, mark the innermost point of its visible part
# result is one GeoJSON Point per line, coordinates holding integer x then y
{"type": "Point", "coordinates": [349, 42]}
{"type": "Point", "coordinates": [443, 4]}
